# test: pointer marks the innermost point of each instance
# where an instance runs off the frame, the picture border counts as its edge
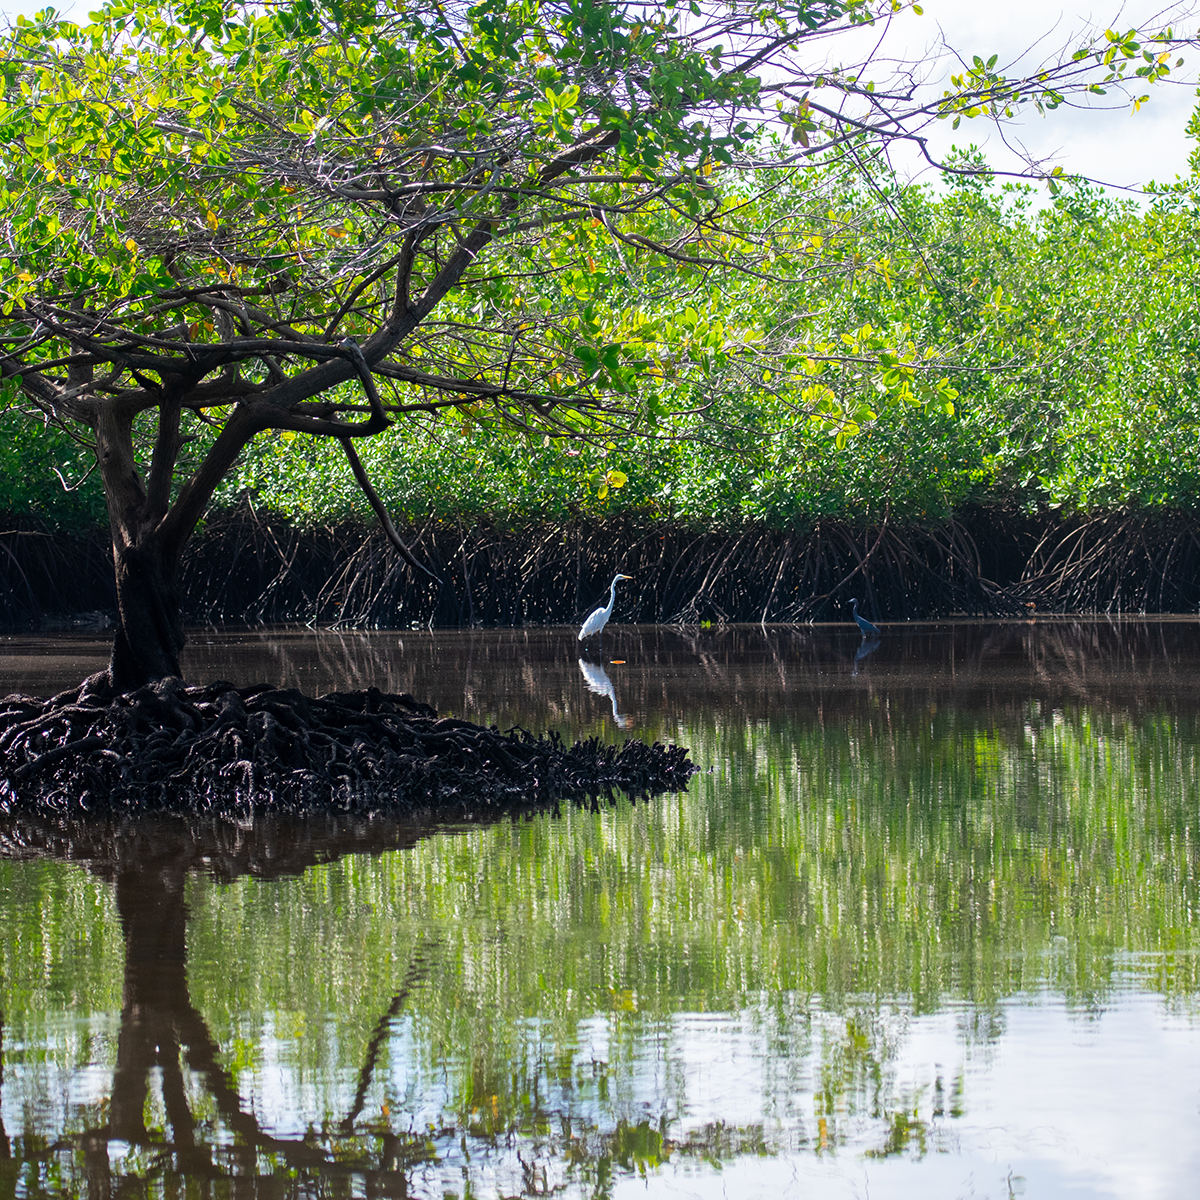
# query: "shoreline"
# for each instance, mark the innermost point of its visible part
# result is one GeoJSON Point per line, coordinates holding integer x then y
{"type": "Point", "coordinates": [247, 567]}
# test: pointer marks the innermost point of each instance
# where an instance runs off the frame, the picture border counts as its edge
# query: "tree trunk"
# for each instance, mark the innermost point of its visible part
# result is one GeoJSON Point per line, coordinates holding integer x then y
{"type": "Point", "coordinates": [150, 625]}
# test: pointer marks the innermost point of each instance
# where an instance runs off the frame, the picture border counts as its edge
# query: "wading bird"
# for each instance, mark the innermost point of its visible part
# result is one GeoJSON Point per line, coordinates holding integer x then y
{"type": "Point", "coordinates": [597, 621]}
{"type": "Point", "coordinates": [868, 630]}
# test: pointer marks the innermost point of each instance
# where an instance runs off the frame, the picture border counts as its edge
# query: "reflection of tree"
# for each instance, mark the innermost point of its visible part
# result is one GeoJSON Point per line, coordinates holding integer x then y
{"type": "Point", "coordinates": [166, 1050]}
{"type": "Point", "coordinates": [417, 969]}
{"type": "Point", "coordinates": [161, 1028]}
{"type": "Point", "coordinates": [162, 1031]}
{"type": "Point", "coordinates": [155, 1016]}
{"type": "Point", "coordinates": [5, 1148]}
{"type": "Point", "coordinates": [210, 1141]}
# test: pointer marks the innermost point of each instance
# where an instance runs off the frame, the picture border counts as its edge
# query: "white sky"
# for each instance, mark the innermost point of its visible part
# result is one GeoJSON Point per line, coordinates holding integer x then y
{"type": "Point", "coordinates": [1118, 147]}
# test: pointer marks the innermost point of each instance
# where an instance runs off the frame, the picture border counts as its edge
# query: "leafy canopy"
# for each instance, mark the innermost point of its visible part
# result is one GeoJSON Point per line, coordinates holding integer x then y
{"type": "Point", "coordinates": [205, 202]}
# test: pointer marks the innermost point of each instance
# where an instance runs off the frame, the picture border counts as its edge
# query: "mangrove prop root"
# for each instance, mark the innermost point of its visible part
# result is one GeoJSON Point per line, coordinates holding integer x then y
{"type": "Point", "coordinates": [240, 751]}
{"type": "Point", "coordinates": [257, 567]}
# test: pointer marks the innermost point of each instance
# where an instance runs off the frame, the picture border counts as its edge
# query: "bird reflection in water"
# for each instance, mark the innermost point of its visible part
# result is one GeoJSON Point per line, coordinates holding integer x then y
{"type": "Point", "coordinates": [867, 647]}
{"type": "Point", "coordinates": [598, 681]}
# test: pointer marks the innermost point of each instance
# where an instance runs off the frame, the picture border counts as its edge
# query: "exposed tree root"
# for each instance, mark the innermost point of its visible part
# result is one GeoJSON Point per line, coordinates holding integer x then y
{"type": "Point", "coordinates": [240, 751]}
{"type": "Point", "coordinates": [45, 573]}
{"type": "Point", "coordinates": [251, 566]}
{"type": "Point", "coordinates": [1119, 562]}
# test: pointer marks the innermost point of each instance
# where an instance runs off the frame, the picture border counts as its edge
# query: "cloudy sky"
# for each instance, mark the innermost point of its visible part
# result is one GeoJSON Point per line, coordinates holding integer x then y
{"type": "Point", "coordinates": [1115, 146]}
{"type": "Point", "coordinates": [1112, 144]}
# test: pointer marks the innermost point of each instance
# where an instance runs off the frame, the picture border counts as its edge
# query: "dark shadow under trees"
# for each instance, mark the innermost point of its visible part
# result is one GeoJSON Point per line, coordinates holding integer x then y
{"type": "Point", "coordinates": [252, 566]}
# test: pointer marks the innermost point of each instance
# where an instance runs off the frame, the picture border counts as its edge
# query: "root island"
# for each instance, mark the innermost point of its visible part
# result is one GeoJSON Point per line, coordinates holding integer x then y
{"type": "Point", "coordinates": [239, 752]}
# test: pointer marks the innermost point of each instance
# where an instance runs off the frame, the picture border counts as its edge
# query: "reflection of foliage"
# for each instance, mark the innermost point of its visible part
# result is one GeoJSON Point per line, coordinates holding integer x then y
{"type": "Point", "coordinates": [636, 1149]}
{"type": "Point", "coordinates": [906, 1133]}
{"type": "Point", "coordinates": [60, 949]}
{"type": "Point", "coordinates": [926, 882]}
{"type": "Point", "coordinates": [851, 876]}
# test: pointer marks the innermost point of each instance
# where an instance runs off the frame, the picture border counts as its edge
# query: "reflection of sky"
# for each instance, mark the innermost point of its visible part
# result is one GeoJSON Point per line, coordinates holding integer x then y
{"type": "Point", "coordinates": [1094, 1106]}
{"type": "Point", "coordinates": [1099, 1106]}
{"type": "Point", "coordinates": [42, 1085]}
{"type": "Point", "coordinates": [1083, 1103]}
{"type": "Point", "coordinates": [1091, 1104]}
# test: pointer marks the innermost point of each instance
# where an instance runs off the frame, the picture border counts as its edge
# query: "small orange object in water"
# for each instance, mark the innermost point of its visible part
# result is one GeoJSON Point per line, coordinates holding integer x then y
{"type": "Point", "coordinates": [616, 662]}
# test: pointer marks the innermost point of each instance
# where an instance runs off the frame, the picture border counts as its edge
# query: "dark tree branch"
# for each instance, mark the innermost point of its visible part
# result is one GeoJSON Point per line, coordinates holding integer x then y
{"type": "Point", "coordinates": [380, 509]}
{"type": "Point", "coordinates": [162, 466]}
{"type": "Point", "coordinates": [357, 290]}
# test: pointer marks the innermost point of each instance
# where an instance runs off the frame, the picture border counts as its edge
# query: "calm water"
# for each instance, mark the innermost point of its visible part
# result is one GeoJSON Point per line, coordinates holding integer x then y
{"type": "Point", "coordinates": [925, 926]}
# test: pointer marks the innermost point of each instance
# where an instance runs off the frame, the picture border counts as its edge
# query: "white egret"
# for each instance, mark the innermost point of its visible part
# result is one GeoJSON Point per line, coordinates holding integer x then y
{"type": "Point", "coordinates": [868, 630]}
{"type": "Point", "coordinates": [597, 621]}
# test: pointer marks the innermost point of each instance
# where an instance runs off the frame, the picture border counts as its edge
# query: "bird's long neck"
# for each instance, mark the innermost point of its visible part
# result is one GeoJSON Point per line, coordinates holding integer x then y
{"type": "Point", "coordinates": [612, 597]}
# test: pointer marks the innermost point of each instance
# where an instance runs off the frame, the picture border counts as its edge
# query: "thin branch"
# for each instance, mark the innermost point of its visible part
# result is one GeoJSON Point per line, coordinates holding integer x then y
{"type": "Point", "coordinates": [368, 490]}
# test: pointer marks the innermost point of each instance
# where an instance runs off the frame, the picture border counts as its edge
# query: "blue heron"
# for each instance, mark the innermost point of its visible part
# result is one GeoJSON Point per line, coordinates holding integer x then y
{"type": "Point", "coordinates": [868, 630]}
{"type": "Point", "coordinates": [597, 621]}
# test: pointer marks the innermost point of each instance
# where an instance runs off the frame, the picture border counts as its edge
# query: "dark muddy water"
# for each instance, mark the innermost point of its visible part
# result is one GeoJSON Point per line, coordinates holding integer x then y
{"type": "Point", "coordinates": [925, 925]}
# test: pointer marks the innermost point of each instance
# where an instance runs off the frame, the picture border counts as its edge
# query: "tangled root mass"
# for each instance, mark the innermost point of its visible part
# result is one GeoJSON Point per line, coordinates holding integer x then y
{"type": "Point", "coordinates": [168, 747]}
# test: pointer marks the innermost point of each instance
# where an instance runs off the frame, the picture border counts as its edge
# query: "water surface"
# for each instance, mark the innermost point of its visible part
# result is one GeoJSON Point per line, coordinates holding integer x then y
{"type": "Point", "coordinates": [926, 925]}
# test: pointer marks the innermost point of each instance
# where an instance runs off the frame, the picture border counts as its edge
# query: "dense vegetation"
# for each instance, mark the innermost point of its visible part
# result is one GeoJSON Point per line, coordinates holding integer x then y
{"type": "Point", "coordinates": [1068, 337]}
{"type": "Point", "coordinates": [553, 265]}
{"type": "Point", "coordinates": [1052, 366]}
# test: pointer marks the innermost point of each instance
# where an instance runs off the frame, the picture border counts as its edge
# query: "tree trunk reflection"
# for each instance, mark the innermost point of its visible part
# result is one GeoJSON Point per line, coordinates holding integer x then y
{"type": "Point", "coordinates": [164, 1041]}
{"type": "Point", "coordinates": [161, 1028]}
